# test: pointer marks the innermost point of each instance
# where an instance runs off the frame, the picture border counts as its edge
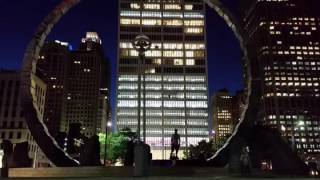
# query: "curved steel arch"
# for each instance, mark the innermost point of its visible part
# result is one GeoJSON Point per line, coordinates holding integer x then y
{"type": "Point", "coordinates": [39, 130]}
{"type": "Point", "coordinates": [238, 31]}
{"type": "Point", "coordinates": [37, 127]}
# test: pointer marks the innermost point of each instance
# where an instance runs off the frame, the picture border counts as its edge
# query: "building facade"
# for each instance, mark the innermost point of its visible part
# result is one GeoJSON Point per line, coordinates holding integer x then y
{"type": "Point", "coordinates": [175, 71]}
{"type": "Point", "coordinates": [285, 38]}
{"type": "Point", "coordinates": [13, 126]}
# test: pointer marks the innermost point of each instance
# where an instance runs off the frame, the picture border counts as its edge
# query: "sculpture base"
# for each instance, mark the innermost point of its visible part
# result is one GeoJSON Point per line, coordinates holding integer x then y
{"type": "Point", "coordinates": [4, 172]}
{"type": "Point", "coordinates": [141, 160]}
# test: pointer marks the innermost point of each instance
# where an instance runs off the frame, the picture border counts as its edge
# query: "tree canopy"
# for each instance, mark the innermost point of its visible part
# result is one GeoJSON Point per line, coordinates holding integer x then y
{"type": "Point", "coordinates": [116, 144]}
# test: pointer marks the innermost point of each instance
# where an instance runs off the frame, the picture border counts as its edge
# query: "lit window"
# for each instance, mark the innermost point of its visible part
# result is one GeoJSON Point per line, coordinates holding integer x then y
{"type": "Point", "coordinates": [193, 15]}
{"type": "Point", "coordinates": [151, 6]}
{"type": "Point", "coordinates": [193, 30]}
{"type": "Point", "coordinates": [188, 7]}
{"type": "Point", "coordinates": [172, 6]}
{"type": "Point", "coordinates": [194, 46]}
{"type": "Point", "coordinates": [130, 13]}
{"type": "Point", "coordinates": [172, 15]}
{"type": "Point", "coordinates": [151, 22]}
{"type": "Point", "coordinates": [130, 21]}
{"type": "Point", "coordinates": [135, 6]}
{"type": "Point", "coordinates": [190, 62]}
{"type": "Point", "coordinates": [172, 22]}
{"type": "Point", "coordinates": [151, 14]}
{"type": "Point", "coordinates": [172, 46]}
{"type": "Point", "coordinates": [173, 53]}
{"type": "Point", "coordinates": [178, 62]}
{"type": "Point", "coordinates": [194, 22]}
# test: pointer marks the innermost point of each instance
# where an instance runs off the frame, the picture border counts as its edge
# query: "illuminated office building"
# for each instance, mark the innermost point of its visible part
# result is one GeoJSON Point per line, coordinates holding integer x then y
{"type": "Point", "coordinates": [285, 37]}
{"type": "Point", "coordinates": [176, 71]}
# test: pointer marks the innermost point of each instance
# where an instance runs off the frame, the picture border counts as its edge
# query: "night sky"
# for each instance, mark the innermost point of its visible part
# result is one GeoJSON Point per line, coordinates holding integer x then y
{"type": "Point", "coordinates": [20, 18]}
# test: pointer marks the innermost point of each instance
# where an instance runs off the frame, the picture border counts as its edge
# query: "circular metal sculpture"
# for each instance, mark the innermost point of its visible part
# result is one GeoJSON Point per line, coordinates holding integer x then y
{"type": "Point", "coordinates": [37, 127]}
{"type": "Point", "coordinates": [39, 130]}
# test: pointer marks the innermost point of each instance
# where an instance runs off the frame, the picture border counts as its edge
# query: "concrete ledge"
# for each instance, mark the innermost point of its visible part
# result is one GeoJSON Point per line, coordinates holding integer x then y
{"type": "Point", "coordinates": [112, 172]}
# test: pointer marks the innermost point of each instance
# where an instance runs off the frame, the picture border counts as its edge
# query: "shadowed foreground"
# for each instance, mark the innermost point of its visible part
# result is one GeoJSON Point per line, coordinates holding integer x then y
{"type": "Point", "coordinates": [127, 173]}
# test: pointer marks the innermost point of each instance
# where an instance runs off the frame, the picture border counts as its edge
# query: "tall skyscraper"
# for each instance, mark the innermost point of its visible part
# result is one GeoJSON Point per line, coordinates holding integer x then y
{"type": "Point", "coordinates": [78, 83]}
{"type": "Point", "coordinates": [88, 82]}
{"type": "Point", "coordinates": [175, 71]}
{"type": "Point", "coordinates": [285, 37]}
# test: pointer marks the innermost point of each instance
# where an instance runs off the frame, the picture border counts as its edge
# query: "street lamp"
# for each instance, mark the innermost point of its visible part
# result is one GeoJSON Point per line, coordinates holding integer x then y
{"type": "Point", "coordinates": [142, 43]}
{"type": "Point", "coordinates": [213, 134]}
{"type": "Point", "coordinates": [109, 125]}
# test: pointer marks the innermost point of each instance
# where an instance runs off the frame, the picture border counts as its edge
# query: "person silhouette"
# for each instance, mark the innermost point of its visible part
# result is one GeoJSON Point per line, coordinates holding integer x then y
{"type": "Point", "coordinates": [175, 143]}
{"type": "Point", "coordinates": [245, 160]}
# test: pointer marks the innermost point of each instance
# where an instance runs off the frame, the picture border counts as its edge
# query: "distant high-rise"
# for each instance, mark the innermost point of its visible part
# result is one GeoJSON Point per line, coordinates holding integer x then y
{"type": "Point", "coordinates": [226, 113]}
{"type": "Point", "coordinates": [285, 39]}
{"type": "Point", "coordinates": [176, 71]}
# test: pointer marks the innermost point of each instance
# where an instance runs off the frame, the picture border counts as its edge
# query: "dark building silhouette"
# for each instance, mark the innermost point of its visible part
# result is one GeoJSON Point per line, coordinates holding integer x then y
{"type": "Point", "coordinates": [53, 68]}
{"type": "Point", "coordinates": [284, 36]}
{"type": "Point", "coordinates": [88, 81]}
{"type": "Point", "coordinates": [78, 86]}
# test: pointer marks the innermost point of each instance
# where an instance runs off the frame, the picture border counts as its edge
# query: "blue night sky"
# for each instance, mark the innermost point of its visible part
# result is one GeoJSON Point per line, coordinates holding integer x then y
{"type": "Point", "coordinates": [20, 18]}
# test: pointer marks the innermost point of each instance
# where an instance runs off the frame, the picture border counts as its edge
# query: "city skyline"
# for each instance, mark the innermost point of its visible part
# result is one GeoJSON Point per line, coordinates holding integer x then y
{"type": "Point", "coordinates": [220, 38]}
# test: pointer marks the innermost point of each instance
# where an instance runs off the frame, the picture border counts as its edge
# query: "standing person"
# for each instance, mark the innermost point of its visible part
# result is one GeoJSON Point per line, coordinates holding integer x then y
{"type": "Point", "coordinates": [175, 143]}
{"type": "Point", "coordinates": [245, 161]}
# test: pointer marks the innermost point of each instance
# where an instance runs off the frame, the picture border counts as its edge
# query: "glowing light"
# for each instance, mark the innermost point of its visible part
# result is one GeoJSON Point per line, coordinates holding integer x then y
{"type": "Point", "coordinates": [1, 157]}
{"type": "Point", "coordinates": [109, 124]}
